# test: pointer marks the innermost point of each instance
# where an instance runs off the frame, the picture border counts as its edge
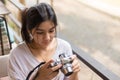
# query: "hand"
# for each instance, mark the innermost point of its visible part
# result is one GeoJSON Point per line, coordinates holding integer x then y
{"type": "Point", "coordinates": [76, 68]}
{"type": "Point", "coordinates": [46, 72]}
{"type": "Point", "coordinates": [75, 64]}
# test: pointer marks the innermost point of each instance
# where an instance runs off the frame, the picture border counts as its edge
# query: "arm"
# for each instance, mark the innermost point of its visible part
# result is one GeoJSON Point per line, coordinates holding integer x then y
{"type": "Point", "coordinates": [17, 68]}
{"type": "Point", "coordinates": [14, 71]}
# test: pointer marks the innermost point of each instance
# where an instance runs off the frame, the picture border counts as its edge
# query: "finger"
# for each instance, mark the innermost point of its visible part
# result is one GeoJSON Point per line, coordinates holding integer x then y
{"type": "Point", "coordinates": [56, 67]}
{"type": "Point", "coordinates": [76, 68]}
{"type": "Point", "coordinates": [73, 57]}
{"type": "Point", "coordinates": [53, 74]}
{"type": "Point", "coordinates": [75, 60]}
{"type": "Point", "coordinates": [74, 63]}
{"type": "Point", "coordinates": [46, 65]}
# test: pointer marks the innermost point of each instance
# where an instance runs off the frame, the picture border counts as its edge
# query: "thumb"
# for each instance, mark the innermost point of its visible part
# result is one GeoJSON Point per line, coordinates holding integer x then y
{"type": "Point", "coordinates": [47, 64]}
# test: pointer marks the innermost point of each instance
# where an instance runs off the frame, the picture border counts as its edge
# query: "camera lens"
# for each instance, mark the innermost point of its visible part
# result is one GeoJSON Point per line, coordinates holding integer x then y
{"type": "Point", "coordinates": [67, 69]}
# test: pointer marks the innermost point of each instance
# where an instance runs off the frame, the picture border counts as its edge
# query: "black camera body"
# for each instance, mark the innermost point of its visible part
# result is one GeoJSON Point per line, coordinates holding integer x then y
{"type": "Point", "coordinates": [66, 62]}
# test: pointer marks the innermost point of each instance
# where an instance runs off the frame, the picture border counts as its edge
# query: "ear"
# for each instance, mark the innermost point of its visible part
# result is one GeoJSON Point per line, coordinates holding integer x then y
{"type": "Point", "coordinates": [28, 31]}
{"type": "Point", "coordinates": [31, 37]}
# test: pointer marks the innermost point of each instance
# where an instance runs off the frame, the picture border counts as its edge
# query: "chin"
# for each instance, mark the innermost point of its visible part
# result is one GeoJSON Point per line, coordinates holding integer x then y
{"type": "Point", "coordinates": [45, 44]}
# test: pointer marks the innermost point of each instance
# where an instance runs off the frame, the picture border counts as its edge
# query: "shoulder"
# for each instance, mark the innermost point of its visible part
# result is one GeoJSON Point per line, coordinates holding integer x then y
{"type": "Point", "coordinates": [18, 50]}
{"type": "Point", "coordinates": [63, 42]}
{"type": "Point", "coordinates": [63, 47]}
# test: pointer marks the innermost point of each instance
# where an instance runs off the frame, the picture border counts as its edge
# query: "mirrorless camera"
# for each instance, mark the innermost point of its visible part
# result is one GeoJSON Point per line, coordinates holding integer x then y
{"type": "Point", "coordinates": [66, 62]}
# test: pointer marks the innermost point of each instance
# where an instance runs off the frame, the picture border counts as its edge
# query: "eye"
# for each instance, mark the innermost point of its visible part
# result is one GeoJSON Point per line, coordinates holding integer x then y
{"type": "Point", "coordinates": [52, 30]}
{"type": "Point", "coordinates": [40, 32]}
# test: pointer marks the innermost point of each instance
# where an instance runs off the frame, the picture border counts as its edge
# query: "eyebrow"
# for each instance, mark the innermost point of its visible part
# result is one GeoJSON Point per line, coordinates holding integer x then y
{"type": "Point", "coordinates": [43, 30]}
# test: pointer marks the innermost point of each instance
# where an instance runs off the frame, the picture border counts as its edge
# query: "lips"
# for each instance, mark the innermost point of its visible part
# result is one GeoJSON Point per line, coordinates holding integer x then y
{"type": "Point", "coordinates": [46, 42]}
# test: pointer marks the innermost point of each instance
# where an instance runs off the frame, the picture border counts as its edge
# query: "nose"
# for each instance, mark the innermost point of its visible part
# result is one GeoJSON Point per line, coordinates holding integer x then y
{"type": "Point", "coordinates": [47, 37]}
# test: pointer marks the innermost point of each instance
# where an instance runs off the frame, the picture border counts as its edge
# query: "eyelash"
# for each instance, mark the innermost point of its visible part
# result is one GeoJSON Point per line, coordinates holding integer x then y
{"type": "Point", "coordinates": [51, 31]}
{"type": "Point", "coordinates": [39, 32]}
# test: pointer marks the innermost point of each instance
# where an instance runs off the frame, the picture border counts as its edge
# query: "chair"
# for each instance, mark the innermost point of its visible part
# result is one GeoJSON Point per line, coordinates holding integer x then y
{"type": "Point", "coordinates": [3, 65]}
{"type": "Point", "coordinates": [5, 44]}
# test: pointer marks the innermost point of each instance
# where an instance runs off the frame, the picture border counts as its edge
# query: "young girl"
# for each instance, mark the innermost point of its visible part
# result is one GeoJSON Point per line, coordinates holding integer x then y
{"type": "Point", "coordinates": [40, 44]}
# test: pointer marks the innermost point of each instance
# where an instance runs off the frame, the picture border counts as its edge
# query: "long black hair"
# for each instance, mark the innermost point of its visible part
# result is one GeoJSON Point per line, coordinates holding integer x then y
{"type": "Point", "coordinates": [35, 15]}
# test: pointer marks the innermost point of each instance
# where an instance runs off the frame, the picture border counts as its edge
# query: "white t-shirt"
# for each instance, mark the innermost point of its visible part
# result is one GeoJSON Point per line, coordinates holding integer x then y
{"type": "Point", "coordinates": [22, 61]}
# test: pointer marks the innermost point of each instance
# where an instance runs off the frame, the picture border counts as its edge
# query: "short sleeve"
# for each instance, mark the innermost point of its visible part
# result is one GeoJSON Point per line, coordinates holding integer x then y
{"type": "Point", "coordinates": [13, 69]}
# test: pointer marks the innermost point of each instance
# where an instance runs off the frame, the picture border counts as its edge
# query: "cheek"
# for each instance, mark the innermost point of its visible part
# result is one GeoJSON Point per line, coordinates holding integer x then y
{"type": "Point", "coordinates": [54, 34]}
{"type": "Point", "coordinates": [37, 38]}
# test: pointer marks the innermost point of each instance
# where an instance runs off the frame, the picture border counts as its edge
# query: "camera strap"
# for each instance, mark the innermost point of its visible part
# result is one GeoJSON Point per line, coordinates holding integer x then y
{"type": "Point", "coordinates": [30, 73]}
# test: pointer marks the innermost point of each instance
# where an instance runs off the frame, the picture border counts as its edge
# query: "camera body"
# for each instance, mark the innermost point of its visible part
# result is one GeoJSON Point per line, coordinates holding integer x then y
{"type": "Point", "coordinates": [66, 62]}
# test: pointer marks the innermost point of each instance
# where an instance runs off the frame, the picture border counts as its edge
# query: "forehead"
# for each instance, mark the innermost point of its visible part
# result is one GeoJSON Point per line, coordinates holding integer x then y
{"type": "Point", "coordinates": [46, 25]}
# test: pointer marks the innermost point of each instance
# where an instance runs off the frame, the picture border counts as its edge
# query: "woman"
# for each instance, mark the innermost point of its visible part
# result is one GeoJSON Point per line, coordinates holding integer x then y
{"type": "Point", "coordinates": [40, 44]}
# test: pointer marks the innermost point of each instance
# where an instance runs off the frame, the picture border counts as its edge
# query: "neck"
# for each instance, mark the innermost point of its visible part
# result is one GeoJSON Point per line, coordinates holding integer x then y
{"type": "Point", "coordinates": [44, 54]}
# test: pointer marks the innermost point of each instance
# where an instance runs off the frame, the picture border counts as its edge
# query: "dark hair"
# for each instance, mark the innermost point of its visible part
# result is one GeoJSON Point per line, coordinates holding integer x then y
{"type": "Point", "coordinates": [35, 15]}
